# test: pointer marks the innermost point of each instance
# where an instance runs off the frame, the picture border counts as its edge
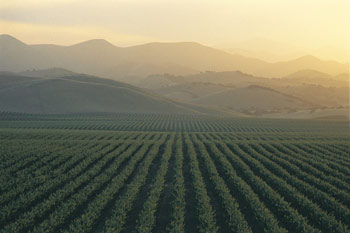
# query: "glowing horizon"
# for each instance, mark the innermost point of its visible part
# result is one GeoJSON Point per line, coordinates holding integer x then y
{"type": "Point", "coordinates": [297, 26]}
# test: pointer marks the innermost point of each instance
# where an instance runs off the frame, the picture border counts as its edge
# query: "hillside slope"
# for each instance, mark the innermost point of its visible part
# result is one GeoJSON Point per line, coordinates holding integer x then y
{"type": "Point", "coordinates": [188, 92]}
{"type": "Point", "coordinates": [253, 99]}
{"type": "Point", "coordinates": [317, 78]}
{"type": "Point", "coordinates": [82, 94]}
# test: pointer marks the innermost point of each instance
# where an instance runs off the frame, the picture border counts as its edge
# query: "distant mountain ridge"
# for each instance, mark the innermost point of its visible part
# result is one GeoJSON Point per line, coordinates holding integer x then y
{"type": "Point", "coordinates": [274, 51]}
{"type": "Point", "coordinates": [101, 58]}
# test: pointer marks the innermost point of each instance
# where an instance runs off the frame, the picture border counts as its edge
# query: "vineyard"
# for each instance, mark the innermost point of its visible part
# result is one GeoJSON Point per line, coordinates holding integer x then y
{"type": "Point", "coordinates": [153, 173]}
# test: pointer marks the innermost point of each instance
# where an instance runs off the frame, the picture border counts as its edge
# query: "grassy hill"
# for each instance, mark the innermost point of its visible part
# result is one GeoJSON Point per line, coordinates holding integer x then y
{"type": "Point", "coordinates": [191, 91]}
{"type": "Point", "coordinates": [309, 85]}
{"type": "Point", "coordinates": [253, 98]}
{"type": "Point", "coordinates": [82, 94]}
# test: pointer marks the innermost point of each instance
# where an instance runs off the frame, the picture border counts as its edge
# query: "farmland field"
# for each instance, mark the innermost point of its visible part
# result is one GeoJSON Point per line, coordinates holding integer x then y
{"type": "Point", "coordinates": [162, 173]}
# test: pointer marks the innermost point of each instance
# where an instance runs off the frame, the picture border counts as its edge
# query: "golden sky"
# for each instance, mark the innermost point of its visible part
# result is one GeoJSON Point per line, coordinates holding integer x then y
{"type": "Point", "coordinates": [309, 24]}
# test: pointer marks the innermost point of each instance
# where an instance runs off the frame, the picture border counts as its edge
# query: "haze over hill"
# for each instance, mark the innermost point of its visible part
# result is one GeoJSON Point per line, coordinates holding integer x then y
{"type": "Point", "coordinates": [274, 51]}
{"type": "Point", "coordinates": [239, 79]}
{"type": "Point", "coordinates": [86, 94]}
{"type": "Point", "coordinates": [218, 93]}
{"type": "Point", "coordinates": [253, 99]}
{"type": "Point", "coordinates": [182, 75]}
{"type": "Point", "coordinates": [47, 73]}
{"type": "Point", "coordinates": [99, 57]}
{"type": "Point", "coordinates": [317, 78]}
{"type": "Point", "coordinates": [306, 89]}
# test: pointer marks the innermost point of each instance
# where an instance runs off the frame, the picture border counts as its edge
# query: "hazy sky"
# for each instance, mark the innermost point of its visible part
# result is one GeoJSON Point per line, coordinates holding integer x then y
{"type": "Point", "coordinates": [305, 23]}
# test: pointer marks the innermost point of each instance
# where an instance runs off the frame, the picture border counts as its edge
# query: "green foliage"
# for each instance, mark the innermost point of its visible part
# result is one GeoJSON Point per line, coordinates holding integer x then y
{"type": "Point", "coordinates": [113, 173]}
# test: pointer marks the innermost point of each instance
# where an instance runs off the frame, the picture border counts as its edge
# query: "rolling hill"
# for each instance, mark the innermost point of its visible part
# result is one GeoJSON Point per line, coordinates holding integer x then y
{"type": "Point", "coordinates": [319, 95]}
{"type": "Point", "coordinates": [304, 85]}
{"type": "Point", "coordinates": [101, 58]}
{"type": "Point", "coordinates": [188, 92]}
{"type": "Point", "coordinates": [86, 94]}
{"type": "Point", "coordinates": [228, 78]}
{"type": "Point", "coordinates": [317, 78]}
{"type": "Point", "coordinates": [48, 73]}
{"type": "Point", "coordinates": [253, 99]}
{"type": "Point", "coordinates": [247, 94]}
